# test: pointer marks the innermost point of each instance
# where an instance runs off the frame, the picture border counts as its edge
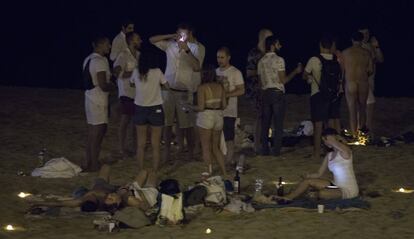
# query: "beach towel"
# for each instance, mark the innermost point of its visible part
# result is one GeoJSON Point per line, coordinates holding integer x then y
{"type": "Point", "coordinates": [331, 204]}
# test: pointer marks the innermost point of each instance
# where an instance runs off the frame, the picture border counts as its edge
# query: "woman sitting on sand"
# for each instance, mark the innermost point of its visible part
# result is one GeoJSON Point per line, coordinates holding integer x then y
{"type": "Point", "coordinates": [339, 162]}
{"type": "Point", "coordinates": [211, 100]}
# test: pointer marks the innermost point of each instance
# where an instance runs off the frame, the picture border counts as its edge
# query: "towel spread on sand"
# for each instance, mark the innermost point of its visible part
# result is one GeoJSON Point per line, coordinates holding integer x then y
{"type": "Point", "coordinates": [329, 204]}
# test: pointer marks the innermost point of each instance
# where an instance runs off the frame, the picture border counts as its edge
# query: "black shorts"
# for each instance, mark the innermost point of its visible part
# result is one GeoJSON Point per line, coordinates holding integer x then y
{"type": "Point", "coordinates": [127, 105]}
{"type": "Point", "coordinates": [149, 115]}
{"type": "Point", "coordinates": [323, 109]}
{"type": "Point", "coordinates": [228, 128]}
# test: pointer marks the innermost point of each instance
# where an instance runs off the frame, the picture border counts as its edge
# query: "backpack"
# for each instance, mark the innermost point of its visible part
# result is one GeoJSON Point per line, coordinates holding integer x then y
{"type": "Point", "coordinates": [87, 77]}
{"type": "Point", "coordinates": [330, 78]}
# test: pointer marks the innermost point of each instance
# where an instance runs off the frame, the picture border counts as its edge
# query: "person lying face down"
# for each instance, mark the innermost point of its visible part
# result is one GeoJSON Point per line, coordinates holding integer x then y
{"type": "Point", "coordinates": [339, 162]}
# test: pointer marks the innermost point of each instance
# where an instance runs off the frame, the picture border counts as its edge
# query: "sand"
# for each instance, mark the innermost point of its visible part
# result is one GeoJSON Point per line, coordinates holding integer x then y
{"type": "Point", "coordinates": [32, 118]}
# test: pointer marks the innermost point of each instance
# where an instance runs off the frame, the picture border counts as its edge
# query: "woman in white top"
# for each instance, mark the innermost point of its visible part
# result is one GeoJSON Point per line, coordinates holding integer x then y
{"type": "Point", "coordinates": [211, 100]}
{"type": "Point", "coordinates": [148, 80]}
{"type": "Point", "coordinates": [339, 162]}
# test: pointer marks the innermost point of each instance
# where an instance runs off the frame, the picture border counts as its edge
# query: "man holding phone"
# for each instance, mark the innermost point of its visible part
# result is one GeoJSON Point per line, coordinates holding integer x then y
{"type": "Point", "coordinates": [183, 59]}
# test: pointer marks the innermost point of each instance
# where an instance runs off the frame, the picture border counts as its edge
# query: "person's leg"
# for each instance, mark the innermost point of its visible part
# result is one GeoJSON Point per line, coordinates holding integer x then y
{"type": "Point", "coordinates": [169, 114]}
{"type": "Point", "coordinates": [167, 146]}
{"type": "Point", "coordinates": [370, 102]}
{"type": "Point", "coordinates": [180, 139]}
{"type": "Point", "coordinates": [217, 152]}
{"type": "Point", "coordinates": [86, 164]}
{"type": "Point", "coordinates": [104, 172]}
{"type": "Point", "coordinates": [205, 137]}
{"type": "Point", "coordinates": [155, 143]}
{"type": "Point", "coordinates": [315, 183]}
{"type": "Point", "coordinates": [189, 135]}
{"type": "Point", "coordinates": [152, 180]}
{"type": "Point", "coordinates": [332, 193]}
{"type": "Point", "coordinates": [362, 103]}
{"type": "Point", "coordinates": [229, 134]}
{"type": "Point", "coordinates": [141, 177]}
{"type": "Point", "coordinates": [258, 124]}
{"type": "Point", "coordinates": [122, 133]}
{"type": "Point", "coordinates": [98, 133]}
{"type": "Point", "coordinates": [317, 136]}
{"type": "Point", "coordinates": [351, 99]}
{"type": "Point", "coordinates": [141, 142]}
{"type": "Point", "coordinates": [279, 108]}
{"type": "Point", "coordinates": [267, 113]}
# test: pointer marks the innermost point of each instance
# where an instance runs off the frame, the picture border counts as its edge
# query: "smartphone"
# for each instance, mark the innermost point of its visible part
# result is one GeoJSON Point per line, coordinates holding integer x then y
{"type": "Point", "coordinates": [183, 36]}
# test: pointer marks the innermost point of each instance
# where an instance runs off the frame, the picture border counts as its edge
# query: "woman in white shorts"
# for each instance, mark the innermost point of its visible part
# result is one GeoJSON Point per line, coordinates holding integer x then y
{"type": "Point", "coordinates": [211, 100]}
{"type": "Point", "coordinates": [339, 162]}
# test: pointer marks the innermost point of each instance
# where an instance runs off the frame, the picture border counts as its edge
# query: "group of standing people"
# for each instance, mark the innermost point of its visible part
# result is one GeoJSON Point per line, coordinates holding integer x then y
{"type": "Point", "coordinates": [188, 95]}
{"type": "Point", "coordinates": [184, 96]}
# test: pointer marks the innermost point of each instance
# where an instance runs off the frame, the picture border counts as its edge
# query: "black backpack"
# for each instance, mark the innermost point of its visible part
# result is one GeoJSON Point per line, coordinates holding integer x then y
{"type": "Point", "coordinates": [87, 77]}
{"type": "Point", "coordinates": [330, 78]}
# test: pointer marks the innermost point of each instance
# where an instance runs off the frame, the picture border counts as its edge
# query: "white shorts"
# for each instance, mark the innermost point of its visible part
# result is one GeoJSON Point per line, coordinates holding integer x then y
{"type": "Point", "coordinates": [210, 119]}
{"type": "Point", "coordinates": [95, 114]}
{"type": "Point", "coordinates": [371, 87]}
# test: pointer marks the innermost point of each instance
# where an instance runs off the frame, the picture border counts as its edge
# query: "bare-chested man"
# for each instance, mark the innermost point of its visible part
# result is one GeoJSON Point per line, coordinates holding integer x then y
{"type": "Point", "coordinates": [357, 63]}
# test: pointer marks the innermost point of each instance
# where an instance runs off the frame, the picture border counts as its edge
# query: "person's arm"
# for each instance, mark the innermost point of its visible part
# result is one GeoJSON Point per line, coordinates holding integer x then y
{"type": "Point", "coordinates": [162, 41]}
{"type": "Point", "coordinates": [286, 78]}
{"type": "Point", "coordinates": [200, 100]}
{"type": "Point", "coordinates": [136, 202]}
{"type": "Point", "coordinates": [224, 97]}
{"type": "Point", "coordinates": [343, 149]}
{"type": "Point", "coordinates": [115, 48]}
{"type": "Point", "coordinates": [379, 56]}
{"type": "Point", "coordinates": [102, 83]}
{"type": "Point", "coordinates": [251, 66]}
{"type": "Point", "coordinates": [239, 86]}
{"type": "Point", "coordinates": [66, 203]}
{"type": "Point", "coordinates": [238, 91]}
{"type": "Point", "coordinates": [322, 169]}
{"type": "Point", "coordinates": [195, 63]}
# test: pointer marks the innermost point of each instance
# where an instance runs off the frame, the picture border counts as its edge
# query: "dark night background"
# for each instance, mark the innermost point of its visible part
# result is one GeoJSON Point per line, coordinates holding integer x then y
{"type": "Point", "coordinates": [46, 42]}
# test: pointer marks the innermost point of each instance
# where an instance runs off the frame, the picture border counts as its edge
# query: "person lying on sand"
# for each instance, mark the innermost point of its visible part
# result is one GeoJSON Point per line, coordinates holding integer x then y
{"type": "Point", "coordinates": [103, 196]}
{"type": "Point", "coordinates": [339, 162]}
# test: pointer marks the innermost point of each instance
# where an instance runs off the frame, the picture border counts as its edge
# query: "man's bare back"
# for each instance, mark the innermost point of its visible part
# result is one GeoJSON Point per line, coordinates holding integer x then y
{"type": "Point", "coordinates": [357, 64]}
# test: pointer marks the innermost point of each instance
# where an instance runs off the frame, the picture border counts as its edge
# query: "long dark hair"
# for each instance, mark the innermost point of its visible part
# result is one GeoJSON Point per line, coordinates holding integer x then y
{"type": "Point", "coordinates": [148, 59]}
{"type": "Point", "coordinates": [208, 74]}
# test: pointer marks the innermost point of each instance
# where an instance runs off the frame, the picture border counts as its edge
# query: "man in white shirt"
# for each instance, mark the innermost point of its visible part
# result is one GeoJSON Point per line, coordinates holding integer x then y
{"type": "Point", "coordinates": [124, 65]}
{"type": "Point", "coordinates": [233, 83]}
{"type": "Point", "coordinates": [96, 74]}
{"type": "Point", "coordinates": [182, 62]}
{"type": "Point", "coordinates": [119, 43]}
{"type": "Point", "coordinates": [272, 80]}
{"type": "Point", "coordinates": [322, 108]}
{"type": "Point", "coordinates": [372, 45]}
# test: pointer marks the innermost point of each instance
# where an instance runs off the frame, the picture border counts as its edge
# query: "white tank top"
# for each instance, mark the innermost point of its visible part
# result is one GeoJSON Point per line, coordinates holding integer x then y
{"type": "Point", "coordinates": [344, 176]}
